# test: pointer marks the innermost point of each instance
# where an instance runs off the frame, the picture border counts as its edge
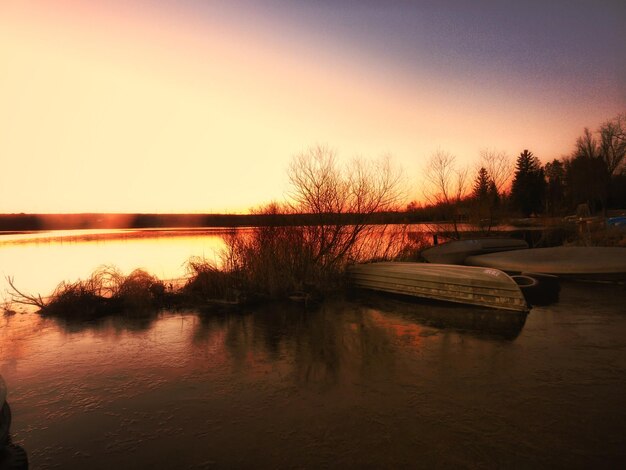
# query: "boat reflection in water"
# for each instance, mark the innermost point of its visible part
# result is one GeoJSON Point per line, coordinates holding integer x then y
{"type": "Point", "coordinates": [446, 315]}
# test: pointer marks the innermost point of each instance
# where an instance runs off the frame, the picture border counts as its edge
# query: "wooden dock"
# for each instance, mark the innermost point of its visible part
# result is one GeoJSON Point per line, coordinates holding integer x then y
{"type": "Point", "coordinates": [485, 287]}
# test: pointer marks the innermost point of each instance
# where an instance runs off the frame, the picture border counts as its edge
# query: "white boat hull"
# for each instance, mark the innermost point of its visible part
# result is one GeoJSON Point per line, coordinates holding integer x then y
{"type": "Point", "coordinates": [562, 261]}
{"type": "Point", "coordinates": [461, 284]}
{"type": "Point", "coordinates": [455, 252]}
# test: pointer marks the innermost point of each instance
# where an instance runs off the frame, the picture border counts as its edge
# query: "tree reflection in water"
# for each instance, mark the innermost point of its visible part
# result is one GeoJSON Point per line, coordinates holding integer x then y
{"type": "Point", "coordinates": [341, 340]}
{"type": "Point", "coordinates": [362, 382]}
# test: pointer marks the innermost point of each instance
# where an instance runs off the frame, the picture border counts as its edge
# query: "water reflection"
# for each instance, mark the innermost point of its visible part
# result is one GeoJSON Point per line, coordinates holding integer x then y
{"type": "Point", "coordinates": [113, 324]}
{"type": "Point", "coordinates": [350, 383]}
{"type": "Point", "coordinates": [333, 342]}
{"type": "Point", "coordinates": [465, 319]}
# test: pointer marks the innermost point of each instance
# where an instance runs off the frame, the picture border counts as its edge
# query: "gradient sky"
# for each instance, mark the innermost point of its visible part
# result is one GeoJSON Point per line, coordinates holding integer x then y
{"type": "Point", "coordinates": [199, 106]}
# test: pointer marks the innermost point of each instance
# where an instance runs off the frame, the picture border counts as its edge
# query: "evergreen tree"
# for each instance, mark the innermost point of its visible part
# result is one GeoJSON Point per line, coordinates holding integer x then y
{"type": "Point", "coordinates": [484, 199]}
{"type": "Point", "coordinates": [481, 185]}
{"type": "Point", "coordinates": [494, 197]}
{"type": "Point", "coordinates": [528, 189]}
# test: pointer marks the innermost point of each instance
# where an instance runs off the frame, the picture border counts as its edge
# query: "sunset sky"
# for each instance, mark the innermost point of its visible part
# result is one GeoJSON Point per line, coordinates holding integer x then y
{"type": "Point", "coordinates": [199, 105]}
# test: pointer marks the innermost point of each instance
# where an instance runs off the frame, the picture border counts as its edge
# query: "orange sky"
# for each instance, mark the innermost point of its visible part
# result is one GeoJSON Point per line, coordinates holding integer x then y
{"type": "Point", "coordinates": [192, 107]}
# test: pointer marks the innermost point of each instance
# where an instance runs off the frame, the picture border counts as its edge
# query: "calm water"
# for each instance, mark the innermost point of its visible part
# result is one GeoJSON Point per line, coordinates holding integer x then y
{"type": "Point", "coordinates": [38, 262]}
{"type": "Point", "coordinates": [352, 383]}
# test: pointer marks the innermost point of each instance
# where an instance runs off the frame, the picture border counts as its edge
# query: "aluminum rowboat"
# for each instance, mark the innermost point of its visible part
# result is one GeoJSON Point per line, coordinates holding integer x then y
{"type": "Point", "coordinates": [486, 287]}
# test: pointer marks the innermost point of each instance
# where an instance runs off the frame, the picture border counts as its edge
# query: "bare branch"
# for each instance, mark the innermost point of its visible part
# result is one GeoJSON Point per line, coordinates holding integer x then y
{"type": "Point", "coordinates": [499, 166]}
{"type": "Point", "coordinates": [24, 299]}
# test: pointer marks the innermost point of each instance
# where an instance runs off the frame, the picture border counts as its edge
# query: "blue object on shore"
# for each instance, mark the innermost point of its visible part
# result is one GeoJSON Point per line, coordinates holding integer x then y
{"type": "Point", "coordinates": [617, 221]}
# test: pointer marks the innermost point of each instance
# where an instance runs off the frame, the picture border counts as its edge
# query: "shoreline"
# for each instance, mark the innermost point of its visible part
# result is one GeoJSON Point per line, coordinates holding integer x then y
{"type": "Point", "coordinates": [85, 221]}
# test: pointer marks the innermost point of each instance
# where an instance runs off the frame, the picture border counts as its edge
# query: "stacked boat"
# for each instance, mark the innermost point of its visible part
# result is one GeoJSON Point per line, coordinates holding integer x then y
{"type": "Point", "coordinates": [576, 262]}
{"type": "Point", "coordinates": [502, 273]}
{"type": "Point", "coordinates": [514, 257]}
{"type": "Point", "coordinates": [455, 252]}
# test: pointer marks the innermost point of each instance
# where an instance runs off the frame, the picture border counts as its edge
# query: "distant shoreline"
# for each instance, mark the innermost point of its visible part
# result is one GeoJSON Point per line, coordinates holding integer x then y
{"type": "Point", "coordinates": [37, 222]}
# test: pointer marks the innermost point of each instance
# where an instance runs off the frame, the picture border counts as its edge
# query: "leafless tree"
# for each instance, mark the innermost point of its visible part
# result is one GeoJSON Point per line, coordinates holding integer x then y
{"type": "Point", "coordinates": [446, 185]}
{"type": "Point", "coordinates": [344, 200]}
{"type": "Point", "coordinates": [319, 185]}
{"type": "Point", "coordinates": [338, 206]}
{"type": "Point", "coordinates": [499, 166]}
{"type": "Point", "coordinates": [587, 146]}
{"type": "Point", "coordinates": [612, 147]}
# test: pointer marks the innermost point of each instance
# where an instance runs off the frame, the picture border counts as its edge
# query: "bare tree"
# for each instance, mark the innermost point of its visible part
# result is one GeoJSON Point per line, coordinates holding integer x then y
{"type": "Point", "coordinates": [593, 163]}
{"type": "Point", "coordinates": [499, 166]}
{"type": "Point", "coordinates": [316, 186]}
{"type": "Point", "coordinates": [337, 206]}
{"type": "Point", "coordinates": [319, 185]}
{"type": "Point", "coordinates": [342, 199]}
{"type": "Point", "coordinates": [446, 185]}
{"type": "Point", "coordinates": [613, 142]}
{"type": "Point", "coordinates": [587, 146]}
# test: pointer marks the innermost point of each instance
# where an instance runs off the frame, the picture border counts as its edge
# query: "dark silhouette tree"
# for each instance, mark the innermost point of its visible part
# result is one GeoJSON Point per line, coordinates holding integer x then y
{"type": "Point", "coordinates": [484, 199]}
{"type": "Point", "coordinates": [528, 189]}
{"type": "Point", "coordinates": [555, 191]}
{"type": "Point", "coordinates": [588, 177]}
{"type": "Point", "coordinates": [481, 185]}
{"type": "Point", "coordinates": [586, 182]}
{"type": "Point", "coordinates": [594, 173]}
{"type": "Point", "coordinates": [494, 195]}
{"type": "Point", "coordinates": [612, 146]}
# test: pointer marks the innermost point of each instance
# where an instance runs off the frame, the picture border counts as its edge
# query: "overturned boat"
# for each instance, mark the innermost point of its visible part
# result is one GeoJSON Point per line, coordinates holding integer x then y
{"type": "Point", "coordinates": [460, 284]}
{"type": "Point", "coordinates": [583, 262]}
{"type": "Point", "coordinates": [456, 251]}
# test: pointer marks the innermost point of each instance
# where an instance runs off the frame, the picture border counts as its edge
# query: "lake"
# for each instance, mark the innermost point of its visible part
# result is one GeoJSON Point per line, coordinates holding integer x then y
{"type": "Point", "coordinates": [358, 382]}
{"type": "Point", "coordinates": [38, 262]}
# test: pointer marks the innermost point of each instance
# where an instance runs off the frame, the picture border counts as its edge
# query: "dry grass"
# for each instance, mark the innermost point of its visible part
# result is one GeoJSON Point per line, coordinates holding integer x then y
{"type": "Point", "coordinates": [207, 283]}
{"type": "Point", "coordinates": [105, 291]}
{"type": "Point", "coordinates": [270, 261]}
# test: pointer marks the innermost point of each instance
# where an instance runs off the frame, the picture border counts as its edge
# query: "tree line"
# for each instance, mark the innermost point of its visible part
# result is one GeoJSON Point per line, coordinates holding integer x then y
{"type": "Point", "coordinates": [590, 180]}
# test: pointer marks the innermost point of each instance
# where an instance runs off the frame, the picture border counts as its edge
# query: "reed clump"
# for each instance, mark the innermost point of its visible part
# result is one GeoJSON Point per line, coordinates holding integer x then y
{"type": "Point", "coordinates": [206, 283]}
{"type": "Point", "coordinates": [139, 291]}
{"type": "Point", "coordinates": [277, 262]}
{"type": "Point", "coordinates": [106, 291]}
